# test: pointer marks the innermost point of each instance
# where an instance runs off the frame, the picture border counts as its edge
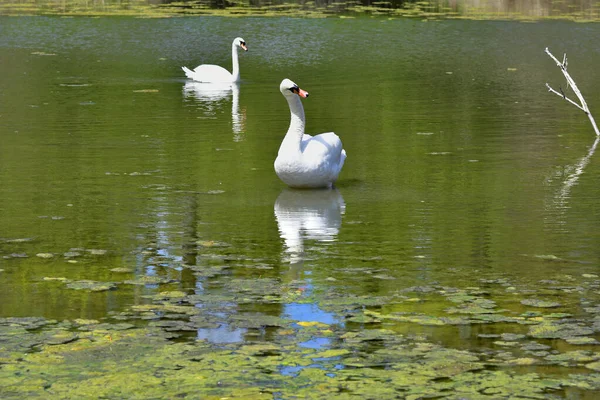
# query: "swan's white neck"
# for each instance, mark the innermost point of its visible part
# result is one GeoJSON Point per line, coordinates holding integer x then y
{"type": "Point", "coordinates": [236, 65]}
{"type": "Point", "coordinates": [293, 137]}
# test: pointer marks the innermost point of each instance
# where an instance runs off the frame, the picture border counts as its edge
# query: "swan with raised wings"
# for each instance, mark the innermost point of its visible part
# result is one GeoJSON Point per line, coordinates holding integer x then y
{"type": "Point", "coordinates": [306, 161]}
{"type": "Point", "coordinates": [214, 73]}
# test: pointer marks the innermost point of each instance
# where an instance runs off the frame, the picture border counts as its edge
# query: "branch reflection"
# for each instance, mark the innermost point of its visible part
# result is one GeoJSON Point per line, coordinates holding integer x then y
{"type": "Point", "coordinates": [562, 196]}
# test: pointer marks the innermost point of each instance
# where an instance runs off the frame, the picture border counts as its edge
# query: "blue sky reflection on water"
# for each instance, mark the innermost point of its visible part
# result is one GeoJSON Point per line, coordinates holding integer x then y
{"type": "Point", "coordinates": [309, 313]}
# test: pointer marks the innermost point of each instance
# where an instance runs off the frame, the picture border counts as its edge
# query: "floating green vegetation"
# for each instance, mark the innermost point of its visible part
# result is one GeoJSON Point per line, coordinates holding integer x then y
{"type": "Point", "coordinates": [550, 329]}
{"type": "Point", "coordinates": [92, 286]}
{"type": "Point", "coordinates": [122, 270]}
{"type": "Point", "coordinates": [149, 280]}
{"type": "Point", "coordinates": [281, 357]}
{"type": "Point", "coordinates": [143, 363]}
{"type": "Point", "coordinates": [236, 338]}
{"type": "Point", "coordinates": [426, 10]}
{"type": "Point", "coordinates": [540, 303]}
{"type": "Point", "coordinates": [70, 255]}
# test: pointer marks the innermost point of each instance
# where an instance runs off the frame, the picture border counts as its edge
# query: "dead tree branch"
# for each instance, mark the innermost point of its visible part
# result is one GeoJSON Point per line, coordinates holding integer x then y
{"type": "Point", "coordinates": [571, 83]}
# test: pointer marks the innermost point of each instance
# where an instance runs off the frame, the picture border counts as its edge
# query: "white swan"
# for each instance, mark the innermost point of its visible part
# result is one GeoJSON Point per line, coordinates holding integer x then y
{"type": "Point", "coordinates": [214, 73]}
{"type": "Point", "coordinates": [306, 161]}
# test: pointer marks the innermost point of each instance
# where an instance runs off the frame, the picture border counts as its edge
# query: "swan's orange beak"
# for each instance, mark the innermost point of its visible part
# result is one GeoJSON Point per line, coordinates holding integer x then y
{"type": "Point", "coordinates": [243, 46]}
{"type": "Point", "coordinates": [302, 93]}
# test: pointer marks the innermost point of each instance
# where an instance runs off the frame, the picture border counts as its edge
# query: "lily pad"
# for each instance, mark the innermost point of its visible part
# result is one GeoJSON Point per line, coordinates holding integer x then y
{"type": "Point", "coordinates": [549, 257]}
{"type": "Point", "coordinates": [45, 255]}
{"type": "Point", "coordinates": [260, 349]}
{"type": "Point", "coordinates": [330, 353]}
{"type": "Point", "coordinates": [505, 344]}
{"type": "Point", "coordinates": [576, 357]}
{"type": "Point", "coordinates": [524, 361]}
{"type": "Point", "coordinates": [26, 322]}
{"type": "Point", "coordinates": [534, 346]}
{"type": "Point", "coordinates": [19, 240]}
{"type": "Point", "coordinates": [97, 252]}
{"type": "Point", "coordinates": [559, 330]}
{"type": "Point", "coordinates": [594, 366]}
{"type": "Point", "coordinates": [255, 320]}
{"type": "Point", "coordinates": [415, 318]}
{"type": "Point", "coordinates": [149, 280]}
{"type": "Point", "coordinates": [123, 270]}
{"type": "Point", "coordinates": [174, 325]}
{"type": "Point", "coordinates": [540, 303]}
{"type": "Point", "coordinates": [92, 286]}
{"type": "Point", "coordinates": [165, 309]}
{"type": "Point", "coordinates": [256, 287]}
{"type": "Point", "coordinates": [582, 340]}
{"type": "Point", "coordinates": [81, 321]}
{"type": "Point", "coordinates": [61, 337]}
{"type": "Point", "coordinates": [508, 337]}
{"type": "Point", "coordinates": [56, 278]}
{"type": "Point", "coordinates": [586, 382]}
{"type": "Point", "coordinates": [590, 276]}
{"type": "Point", "coordinates": [363, 319]}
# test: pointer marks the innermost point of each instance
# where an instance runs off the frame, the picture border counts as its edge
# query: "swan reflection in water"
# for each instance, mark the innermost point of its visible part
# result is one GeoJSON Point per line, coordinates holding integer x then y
{"type": "Point", "coordinates": [307, 215]}
{"type": "Point", "coordinates": [211, 95]}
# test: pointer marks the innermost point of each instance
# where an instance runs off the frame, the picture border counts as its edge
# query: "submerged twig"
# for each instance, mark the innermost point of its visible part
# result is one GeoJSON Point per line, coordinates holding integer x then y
{"type": "Point", "coordinates": [571, 83]}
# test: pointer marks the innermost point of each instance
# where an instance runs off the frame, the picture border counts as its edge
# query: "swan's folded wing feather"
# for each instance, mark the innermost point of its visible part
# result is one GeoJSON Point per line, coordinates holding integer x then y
{"type": "Point", "coordinates": [325, 145]}
{"type": "Point", "coordinates": [211, 73]}
{"type": "Point", "coordinates": [188, 72]}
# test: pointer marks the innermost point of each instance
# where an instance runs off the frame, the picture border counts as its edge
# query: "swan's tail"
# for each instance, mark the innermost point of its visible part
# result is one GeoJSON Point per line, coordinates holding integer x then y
{"type": "Point", "coordinates": [188, 72]}
{"type": "Point", "coordinates": [340, 165]}
{"type": "Point", "coordinates": [342, 159]}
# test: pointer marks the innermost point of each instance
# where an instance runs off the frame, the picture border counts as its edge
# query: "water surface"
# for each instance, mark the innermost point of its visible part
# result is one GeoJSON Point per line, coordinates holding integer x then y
{"type": "Point", "coordinates": [462, 171]}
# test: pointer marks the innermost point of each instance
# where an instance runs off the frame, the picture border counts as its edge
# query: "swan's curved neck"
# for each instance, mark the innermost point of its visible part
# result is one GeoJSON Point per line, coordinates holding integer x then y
{"type": "Point", "coordinates": [293, 137]}
{"type": "Point", "coordinates": [236, 65]}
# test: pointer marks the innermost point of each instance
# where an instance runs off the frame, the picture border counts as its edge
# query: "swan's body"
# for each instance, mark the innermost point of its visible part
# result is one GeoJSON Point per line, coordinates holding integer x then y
{"type": "Point", "coordinates": [306, 161]}
{"type": "Point", "coordinates": [215, 74]}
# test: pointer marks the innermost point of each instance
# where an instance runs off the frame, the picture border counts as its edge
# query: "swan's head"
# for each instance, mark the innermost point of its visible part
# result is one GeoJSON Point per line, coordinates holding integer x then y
{"type": "Point", "coordinates": [289, 88]}
{"type": "Point", "coordinates": [238, 41]}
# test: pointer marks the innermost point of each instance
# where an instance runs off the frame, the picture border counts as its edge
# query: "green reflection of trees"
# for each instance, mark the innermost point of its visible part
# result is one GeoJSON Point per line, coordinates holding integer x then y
{"type": "Point", "coordinates": [473, 9]}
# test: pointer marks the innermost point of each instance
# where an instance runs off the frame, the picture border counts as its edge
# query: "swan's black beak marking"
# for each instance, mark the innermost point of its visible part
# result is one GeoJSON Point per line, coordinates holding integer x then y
{"type": "Point", "coordinates": [298, 91]}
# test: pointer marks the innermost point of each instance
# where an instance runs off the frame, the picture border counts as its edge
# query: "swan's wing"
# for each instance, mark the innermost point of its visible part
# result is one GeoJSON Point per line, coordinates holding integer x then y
{"type": "Point", "coordinates": [324, 146]}
{"type": "Point", "coordinates": [188, 72]}
{"type": "Point", "coordinates": [211, 73]}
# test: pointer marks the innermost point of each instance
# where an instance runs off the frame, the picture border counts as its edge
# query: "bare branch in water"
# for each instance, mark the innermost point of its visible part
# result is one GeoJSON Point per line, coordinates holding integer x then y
{"type": "Point", "coordinates": [562, 94]}
{"type": "Point", "coordinates": [571, 83]}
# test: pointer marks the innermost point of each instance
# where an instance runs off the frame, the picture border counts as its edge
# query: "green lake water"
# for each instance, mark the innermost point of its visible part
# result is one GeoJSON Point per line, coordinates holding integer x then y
{"type": "Point", "coordinates": [467, 210]}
